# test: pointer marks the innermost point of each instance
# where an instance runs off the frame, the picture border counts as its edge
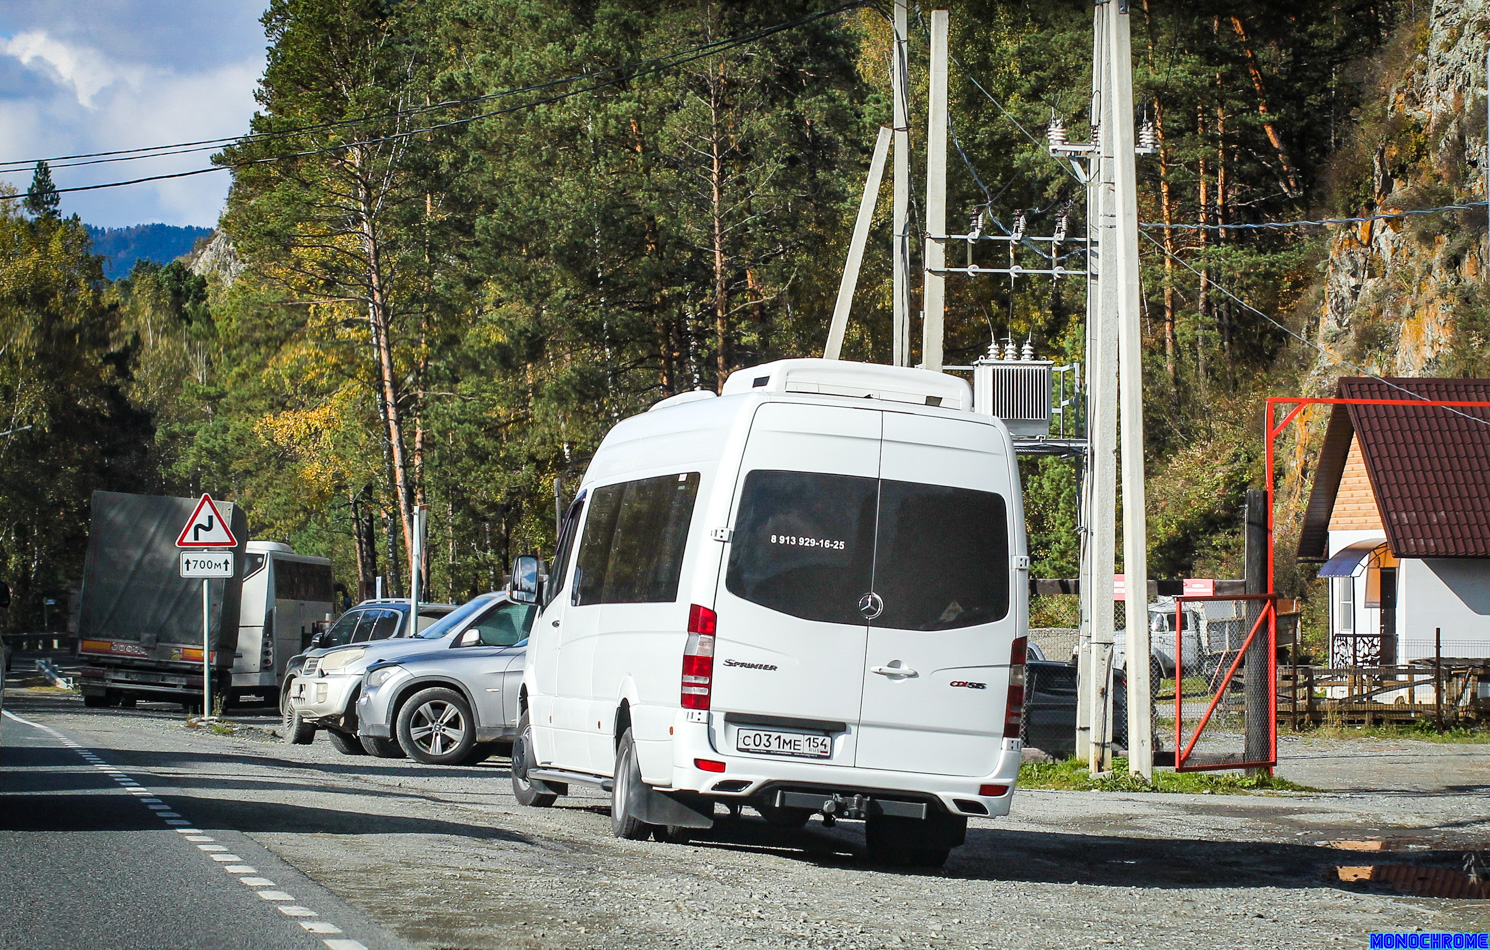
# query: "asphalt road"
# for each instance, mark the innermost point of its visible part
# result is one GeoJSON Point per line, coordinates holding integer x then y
{"type": "Point", "coordinates": [394, 853]}
{"type": "Point", "coordinates": [95, 853]}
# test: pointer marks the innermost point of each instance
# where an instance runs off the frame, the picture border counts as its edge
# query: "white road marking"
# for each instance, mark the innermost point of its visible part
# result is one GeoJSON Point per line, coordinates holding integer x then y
{"type": "Point", "coordinates": [181, 826]}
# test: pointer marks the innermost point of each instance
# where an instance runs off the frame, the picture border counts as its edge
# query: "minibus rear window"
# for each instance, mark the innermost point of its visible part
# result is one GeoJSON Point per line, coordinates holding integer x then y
{"type": "Point", "coordinates": [942, 557]}
{"type": "Point", "coordinates": [804, 544]}
{"type": "Point", "coordinates": [634, 541]}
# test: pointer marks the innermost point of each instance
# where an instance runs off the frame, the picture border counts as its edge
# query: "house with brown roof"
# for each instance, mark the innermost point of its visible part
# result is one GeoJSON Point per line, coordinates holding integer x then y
{"type": "Point", "coordinates": [1399, 518]}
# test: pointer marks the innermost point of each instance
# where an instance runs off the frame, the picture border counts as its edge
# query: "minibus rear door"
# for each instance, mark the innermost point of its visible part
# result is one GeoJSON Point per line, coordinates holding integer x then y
{"type": "Point", "coordinates": [789, 654]}
{"type": "Point", "coordinates": [943, 619]}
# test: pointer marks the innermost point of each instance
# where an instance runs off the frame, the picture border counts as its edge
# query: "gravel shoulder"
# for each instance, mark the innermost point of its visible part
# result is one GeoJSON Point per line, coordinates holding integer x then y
{"type": "Point", "coordinates": [446, 858]}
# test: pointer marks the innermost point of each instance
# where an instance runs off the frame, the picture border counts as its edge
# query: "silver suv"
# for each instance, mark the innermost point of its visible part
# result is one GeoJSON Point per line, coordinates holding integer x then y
{"type": "Point", "coordinates": [452, 706]}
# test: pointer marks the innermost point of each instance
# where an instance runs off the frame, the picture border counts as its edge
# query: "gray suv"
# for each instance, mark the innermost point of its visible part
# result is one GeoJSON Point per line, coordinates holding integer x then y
{"type": "Point", "coordinates": [452, 706]}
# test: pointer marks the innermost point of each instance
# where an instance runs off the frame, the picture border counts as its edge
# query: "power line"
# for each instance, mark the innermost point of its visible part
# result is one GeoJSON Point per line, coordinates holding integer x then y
{"type": "Point", "coordinates": [617, 74]}
{"type": "Point", "coordinates": [1300, 337]}
{"type": "Point", "coordinates": [157, 151]}
{"type": "Point", "coordinates": [1322, 222]}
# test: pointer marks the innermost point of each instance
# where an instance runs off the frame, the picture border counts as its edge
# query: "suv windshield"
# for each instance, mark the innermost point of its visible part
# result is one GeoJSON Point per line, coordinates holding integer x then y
{"type": "Point", "coordinates": [341, 631]}
{"type": "Point", "coordinates": [456, 617]}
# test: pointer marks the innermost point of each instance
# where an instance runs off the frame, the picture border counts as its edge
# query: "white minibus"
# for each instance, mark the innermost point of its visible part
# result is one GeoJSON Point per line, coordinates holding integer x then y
{"type": "Point", "coordinates": [807, 595]}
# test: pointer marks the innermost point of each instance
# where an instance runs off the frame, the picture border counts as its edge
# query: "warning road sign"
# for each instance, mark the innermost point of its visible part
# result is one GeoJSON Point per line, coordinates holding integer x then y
{"type": "Point", "coordinates": [206, 528]}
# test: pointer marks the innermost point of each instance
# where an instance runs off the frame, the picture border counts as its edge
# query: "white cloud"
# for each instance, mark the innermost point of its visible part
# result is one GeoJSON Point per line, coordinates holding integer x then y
{"type": "Point", "coordinates": [86, 70]}
{"type": "Point", "coordinates": [94, 92]}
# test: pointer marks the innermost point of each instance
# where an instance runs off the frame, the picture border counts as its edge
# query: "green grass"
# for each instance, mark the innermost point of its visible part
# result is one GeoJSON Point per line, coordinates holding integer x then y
{"type": "Point", "coordinates": [1422, 730]}
{"type": "Point", "coordinates": [1071, 775]}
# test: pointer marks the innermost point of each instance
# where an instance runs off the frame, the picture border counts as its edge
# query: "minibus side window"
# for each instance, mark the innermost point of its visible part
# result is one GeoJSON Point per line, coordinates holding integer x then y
{"type": "Point", "coordinates": [565, 546]}
{"type": "Point", "coordinates": [635, 539]}
{"type": "Point", "coordinates": [804, 544]}
{"type": "Point", "coordinates": [942, 557]}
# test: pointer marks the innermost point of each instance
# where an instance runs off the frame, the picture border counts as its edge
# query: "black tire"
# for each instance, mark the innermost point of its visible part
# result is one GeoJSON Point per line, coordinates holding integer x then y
{"type": "Point", "coordinates": [95, 701]}
{"type": "Point", "coordinates": [672, 834]}
{"type": "Point", "coordinates": [783, 817]}
{"type": "Point", "coordinates": [479, 753]}
{"type": "Point", "coordinates": [625, 786]}
{"type": "Point", "coordinates": [345, 742]}
{"type": "Point", "coordinates": [530, 792]}
{"type": "Point", "coordinates": [292, 728]}
{"type": "Point", "coordinates": [381, 748]}
{"type": "Point", "coordinates": [902, 842]}
{"type": "Point", "coordinates": [436, 727]}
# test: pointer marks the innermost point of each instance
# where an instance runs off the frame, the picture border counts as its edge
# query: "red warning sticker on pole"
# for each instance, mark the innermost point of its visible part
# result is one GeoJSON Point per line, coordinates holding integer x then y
{"type": "Point", "coordinates": [206, 528]}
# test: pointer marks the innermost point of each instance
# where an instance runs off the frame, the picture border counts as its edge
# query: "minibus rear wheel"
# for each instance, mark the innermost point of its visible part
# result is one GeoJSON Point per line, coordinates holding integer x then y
{"type": "Point", "coordinates": [625, 787]}
{"type": "Point", "coordinates": [912, 842]}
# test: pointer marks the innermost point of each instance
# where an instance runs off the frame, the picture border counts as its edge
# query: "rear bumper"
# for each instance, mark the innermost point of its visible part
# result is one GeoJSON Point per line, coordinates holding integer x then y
{"type": "Point", "coordinates": [166, 683]}
{"type": "Point", "coordinates": [749, 776]}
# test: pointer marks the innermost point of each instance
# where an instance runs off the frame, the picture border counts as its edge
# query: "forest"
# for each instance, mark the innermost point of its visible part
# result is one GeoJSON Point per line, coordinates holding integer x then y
{"type": "Point", "coordinates": [464, 238]}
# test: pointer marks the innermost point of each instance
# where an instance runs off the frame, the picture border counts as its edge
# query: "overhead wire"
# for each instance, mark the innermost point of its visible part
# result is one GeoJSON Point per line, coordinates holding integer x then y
{"type": "Point", "coordinates": [1320, 222]}
{"type": "Point", "coordinates": [157, 151]}
{"type": "Point", "coordinates": [1225, 291]}
{"type": "Point", "coordinates": [618, 74]}
{"type": "Point", "coordinates": [1300, 337]}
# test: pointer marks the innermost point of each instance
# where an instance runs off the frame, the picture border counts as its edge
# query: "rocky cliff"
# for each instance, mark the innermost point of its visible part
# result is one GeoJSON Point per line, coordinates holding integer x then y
{"type": "Point", "coordinates": [1405, 296]}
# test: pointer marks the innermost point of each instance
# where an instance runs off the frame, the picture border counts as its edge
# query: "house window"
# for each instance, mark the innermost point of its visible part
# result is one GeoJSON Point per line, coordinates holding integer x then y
{"type": "Point", "coordinates": [1345, 604]}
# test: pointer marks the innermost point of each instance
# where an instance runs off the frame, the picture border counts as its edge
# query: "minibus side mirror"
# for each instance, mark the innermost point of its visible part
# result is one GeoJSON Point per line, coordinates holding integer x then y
{"type": "Point", "coordinates": [524, 585]}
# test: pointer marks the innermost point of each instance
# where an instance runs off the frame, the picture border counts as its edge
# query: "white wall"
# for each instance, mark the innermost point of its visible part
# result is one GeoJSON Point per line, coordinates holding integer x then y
{"type": "Point", "coordinates": [1452, 594]}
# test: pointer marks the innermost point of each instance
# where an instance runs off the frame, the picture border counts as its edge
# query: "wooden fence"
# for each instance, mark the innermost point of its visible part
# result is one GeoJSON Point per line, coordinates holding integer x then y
{"type": "Point", "coordinates": [1448, 692]}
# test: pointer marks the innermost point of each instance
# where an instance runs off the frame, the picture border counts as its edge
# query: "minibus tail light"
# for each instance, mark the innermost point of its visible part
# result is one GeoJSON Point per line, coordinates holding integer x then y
{"type": "Point", "coordinates": [1014, 706]}
{"type": "Point", "coordinates": [698, 658]}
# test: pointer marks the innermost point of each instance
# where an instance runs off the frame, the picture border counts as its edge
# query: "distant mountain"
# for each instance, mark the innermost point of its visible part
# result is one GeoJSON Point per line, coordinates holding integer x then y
{"type": "Point", "coordinates": [162, 243]}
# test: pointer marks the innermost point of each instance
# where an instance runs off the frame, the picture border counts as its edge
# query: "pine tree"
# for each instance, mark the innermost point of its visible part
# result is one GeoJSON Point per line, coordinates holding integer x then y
{"type": "Point", "coordinates": [42, 200]}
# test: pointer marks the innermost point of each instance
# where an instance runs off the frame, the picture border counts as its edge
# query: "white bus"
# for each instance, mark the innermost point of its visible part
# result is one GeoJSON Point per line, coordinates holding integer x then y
{"type": "Point", "coordinates": [284, 593]}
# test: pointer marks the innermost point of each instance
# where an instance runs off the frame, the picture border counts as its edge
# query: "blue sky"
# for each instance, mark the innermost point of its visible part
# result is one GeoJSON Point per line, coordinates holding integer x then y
{"type": "Point", "coordinates": [98, 75]}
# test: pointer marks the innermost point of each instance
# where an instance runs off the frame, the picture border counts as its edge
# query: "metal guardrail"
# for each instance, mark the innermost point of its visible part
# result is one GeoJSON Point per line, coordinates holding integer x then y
{"type": "Point", "coordinates": [40, 642]}
{"type": "Point", "coordinates": [50, 672]}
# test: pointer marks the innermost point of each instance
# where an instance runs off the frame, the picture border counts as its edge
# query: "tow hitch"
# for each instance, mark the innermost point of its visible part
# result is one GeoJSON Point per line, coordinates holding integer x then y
{"type": "Point", "coordinates": [834, 805]}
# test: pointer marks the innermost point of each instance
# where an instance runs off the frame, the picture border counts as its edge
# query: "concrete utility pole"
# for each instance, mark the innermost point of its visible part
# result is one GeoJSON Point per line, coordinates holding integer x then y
{"type": "Point", "coordinates": [1121, 268]}
{"type": "Point", "coordinates": [416, 565]}
{"type": "Point", "coordinates": [850, 278]}
{"type": "Point", "coordinates": [1102, 377]}
{"type": "Point", "coordinates": [900, 254]}
{"type": "Point", "coordinates": [933, 301]}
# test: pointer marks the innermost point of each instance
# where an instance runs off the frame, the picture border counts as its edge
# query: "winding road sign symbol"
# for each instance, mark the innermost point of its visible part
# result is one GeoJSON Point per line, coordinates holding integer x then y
{"type": "Point", "coordinates": [206, 528]}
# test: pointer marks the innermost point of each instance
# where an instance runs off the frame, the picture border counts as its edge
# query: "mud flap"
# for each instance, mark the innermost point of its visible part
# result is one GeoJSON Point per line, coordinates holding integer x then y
{"type": "Point", "coordinates": [683, 809]}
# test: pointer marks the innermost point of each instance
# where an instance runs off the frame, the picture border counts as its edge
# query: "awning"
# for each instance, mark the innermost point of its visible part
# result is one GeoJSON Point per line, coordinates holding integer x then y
{"type": "Point", "coordinates": [1343, 563]}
